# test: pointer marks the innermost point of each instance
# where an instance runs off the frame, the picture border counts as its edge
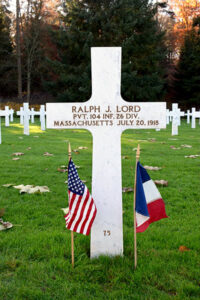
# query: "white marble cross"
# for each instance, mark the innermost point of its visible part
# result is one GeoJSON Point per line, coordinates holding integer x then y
{"type": "Point", "coordinates": [188, 114]}
{"type": "Point", "coordinates": [21, 114]}
{"type": "Point", "coordinates": [195, 115]}
{"type": "Point", "coordinates": [106, 115]}
{"type": "Point", "coordinates": [42, 114]}
{"type": "Point", "coordinates": [4, 113]}
{"type": "Point", "coordinates": [176, 116]}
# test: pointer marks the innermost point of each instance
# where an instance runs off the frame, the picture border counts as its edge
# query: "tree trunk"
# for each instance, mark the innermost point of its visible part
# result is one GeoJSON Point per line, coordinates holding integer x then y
{"type": "Point", "coordinates": [18, 46]}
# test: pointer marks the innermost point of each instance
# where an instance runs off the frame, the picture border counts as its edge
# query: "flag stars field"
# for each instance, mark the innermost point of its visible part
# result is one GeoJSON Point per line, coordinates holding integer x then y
{"type": "Point", "coordinates": [35, 260]}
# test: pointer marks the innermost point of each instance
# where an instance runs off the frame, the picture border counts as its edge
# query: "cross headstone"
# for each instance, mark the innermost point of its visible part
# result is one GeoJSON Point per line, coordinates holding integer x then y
{"type": "Point", "coordinates": [7, 114]}
{"type": "Point", "coordinates": [106, 115]}
{"type": "Point", "coordinates": [21, 114]}
{"type": "Point", "coordinates": [41, 114]}
{"type": "Point", "coordinates": [195, 115]}
{"type": "Point", "coordinates": [3, 113]}
{"type": "Point", "coordinates": [32, 115]}
{"type": "Point", "coordinates": [26, 118]}
{"type": "Point", "coordinates": [176, 115]}
{"type": "Point", "coordinates": [167, 116]}
{"type": "Point", "coordinates": [42, 117]}
{"type": "Point", "coordinates": [188, 114]}
{"type": "Point", "coordinates": [11, 112]}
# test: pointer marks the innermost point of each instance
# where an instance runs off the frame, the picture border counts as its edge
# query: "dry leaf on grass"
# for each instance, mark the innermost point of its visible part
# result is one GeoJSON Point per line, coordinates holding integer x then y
{"type": "Point", "coordinates": [20, 137]}
{"type": "Point", "coordinates": [183, 249]}
{"type": "Point", "coordinates": [47, 154]}
{"type": "Point", "coordinates": [192, 156]}
{"type": "Point", "coordinates": [161, 182]}
{"type": "Point", "coordinates": [62, 170]}
{"type": "Point", "coordinates": [15, 158]}
{"type": "Point", "coordinates": [186, 146]}
{"type": "Point", "coordinates": [152, 168]}
{"type": "Point", "coordinates": [8, 185]}
{"type": "Point", "coordinates": [76, 151]}
{"type": "Point", "coordinates": [65, 210]}
{"type": "Point", "coordinates": [5, 225]}
{"type": "Point", "coordinates": [135, 149]}
{"type": "Point", "coordinates": [18, 153]}
{"type": "Point", "coordinates": [125, 157]}
{"type": "Point", "coordinates": [152, 140]}
{"type": "Point", "coordinates": [29, 148]}
{"type": "Point", "coordinates": [127, 189]}
{"type": "Point", "coordinates": [82, 148]}
{"type": "Point", "coordinates": [31, 189]}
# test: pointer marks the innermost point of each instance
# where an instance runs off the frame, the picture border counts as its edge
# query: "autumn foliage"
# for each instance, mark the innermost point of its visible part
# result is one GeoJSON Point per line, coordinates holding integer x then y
{"type": "Point", "coordinates": [184, 13]}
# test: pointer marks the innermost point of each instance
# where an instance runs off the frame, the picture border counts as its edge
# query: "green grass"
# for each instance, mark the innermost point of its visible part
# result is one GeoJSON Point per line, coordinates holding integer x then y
{"type": "Point", "coordinates": [35, 258]}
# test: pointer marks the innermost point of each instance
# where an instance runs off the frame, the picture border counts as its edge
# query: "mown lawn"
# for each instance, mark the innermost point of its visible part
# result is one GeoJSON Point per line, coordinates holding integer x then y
{"type": "Point", "coordinates": [35, 260]}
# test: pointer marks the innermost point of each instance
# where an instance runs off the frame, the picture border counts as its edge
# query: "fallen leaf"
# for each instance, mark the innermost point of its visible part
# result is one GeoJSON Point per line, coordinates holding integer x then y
{"type": "Point", "coordinates": [18, 154]}
{"type": "Point", "coordinates": [183, 249]}
{"type": "Point", "coordinates": [29, 148]}
{"type": "Point", "coordinates": [186, 146]}
{"type": "Point", "coordinates": [134, 149]}
{"type": "Point", "coordinates": [125, 157]}
{"type": "Point", "coordinates": [192, 156]}
{"type": "Point", "coordinates": [152, 168]}
{"type": "Point", "coordinates": [173, 139]}
{"type": "Point", "coordinates": [152, 140]}
{"type": "Point", "coordinates": [5, 225]}
{"type": "Point", "coordinates": [77, 167]}
{"type": "Point", "coordinates": [47, 154]}
{"type": "Point", "coordinates": [15, 158]}
{"type": "Point", "coordinates": [31, 189]}
{"type": "Point", "coordinates": [66, 181]}
{"type": "Point", "coordinates": [76, 151]}
{"type": "Point", "coordinates": [82, 148]}
{"type": "Point", "coordinates": [62, 170]}
{"type": "Point", "coordinates": [2, 211]}
{"type": "Point", "coordinates": [8, 185]}
{"type": "Point", "coordinates": [65, 210]}
{"type": "Point", "coordinates": [161, 182]}
{"type": "Point", "coordinates": [20, 137]}
{"type": "Point", "coordinates": [127, 189]}
{"type": "Point", "coordinates": [163, 142]}
{"type": "Point", "coordinates": [63, 167]}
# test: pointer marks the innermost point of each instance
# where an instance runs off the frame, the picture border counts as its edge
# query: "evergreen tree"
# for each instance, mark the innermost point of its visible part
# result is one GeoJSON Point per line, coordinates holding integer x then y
{"type": "Point", "coordinates": [188, 76]}
{"type": "Point", "coordinates": [130, 24]}
{"type": "Point", "coordinates": [6, 55]}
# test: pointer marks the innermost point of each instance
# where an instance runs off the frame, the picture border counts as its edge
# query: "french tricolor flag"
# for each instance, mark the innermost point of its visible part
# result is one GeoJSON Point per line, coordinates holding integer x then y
{"type": "Point", "coordinates": [150, 206]}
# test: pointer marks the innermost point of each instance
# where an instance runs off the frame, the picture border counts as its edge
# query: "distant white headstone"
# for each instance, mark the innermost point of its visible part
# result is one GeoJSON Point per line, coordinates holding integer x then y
{"type": "Point", "coordinates": [195, 115]}
{"type": "Point", "coordinates": [21, 114]}
{"type": "Point", "coordinates": [106, 115]}
{"type": "Point", "coordinates": [32, 115]}
{"type": "Point", "coordinates": [26, 118]}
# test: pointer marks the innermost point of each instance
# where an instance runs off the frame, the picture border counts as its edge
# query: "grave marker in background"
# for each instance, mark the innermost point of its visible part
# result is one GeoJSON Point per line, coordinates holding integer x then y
{"type": "Point", "coordinates": [106, 115]}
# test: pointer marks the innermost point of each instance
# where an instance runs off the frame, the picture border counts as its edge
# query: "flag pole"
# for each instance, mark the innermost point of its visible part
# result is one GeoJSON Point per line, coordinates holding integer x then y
{"type": "Point", "coordinates": [134, 205]}
{"type": "Point", "coordinates": [72, 233]}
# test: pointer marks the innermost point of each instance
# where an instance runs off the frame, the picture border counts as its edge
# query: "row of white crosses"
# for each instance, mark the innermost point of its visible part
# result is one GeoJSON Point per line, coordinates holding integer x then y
{"type": "Point", "coordinates": [176, 114]}
{"type": "Point", "coordinates": [26, 114]}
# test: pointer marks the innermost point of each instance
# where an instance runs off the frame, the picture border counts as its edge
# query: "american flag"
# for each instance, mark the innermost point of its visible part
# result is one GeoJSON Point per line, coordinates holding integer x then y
{"type": "Point", "coordinates": [82, 210]}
